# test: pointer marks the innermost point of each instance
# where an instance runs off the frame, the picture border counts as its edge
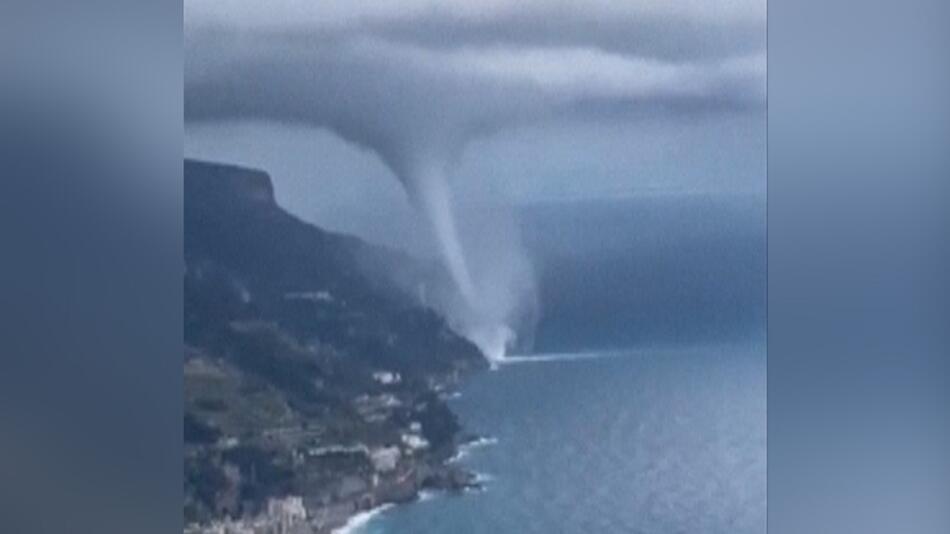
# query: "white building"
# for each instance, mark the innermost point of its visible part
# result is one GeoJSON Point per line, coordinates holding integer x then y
{"type": "Point", "coordinates": [415, 442]}
{"type": "Point", "coordinates": [385, 458]}
{"type": "Point", "coordinates": [387, 377]}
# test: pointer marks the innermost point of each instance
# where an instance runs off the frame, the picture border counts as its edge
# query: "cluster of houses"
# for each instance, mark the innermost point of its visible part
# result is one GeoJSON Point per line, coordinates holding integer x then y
{"type": "Point", "coordinates": [394, 476]}
{"type": "Point", "coordinates": [286, 515]}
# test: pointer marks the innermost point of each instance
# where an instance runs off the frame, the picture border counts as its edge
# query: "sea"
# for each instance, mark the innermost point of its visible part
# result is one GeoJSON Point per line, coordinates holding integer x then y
{"type": "Point", "coordinates": [642, 406]}
{"type": "Point", "coordinates": [641, 441]}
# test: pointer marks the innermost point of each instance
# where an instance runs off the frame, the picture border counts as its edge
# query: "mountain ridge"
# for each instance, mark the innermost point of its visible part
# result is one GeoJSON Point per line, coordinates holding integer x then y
{"type": "Point", "coordinates": [299, 341]}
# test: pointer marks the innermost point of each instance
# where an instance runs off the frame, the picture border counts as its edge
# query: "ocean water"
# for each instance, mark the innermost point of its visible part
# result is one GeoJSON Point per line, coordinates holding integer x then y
{"type": "Point", "coordinates": [644, 441]}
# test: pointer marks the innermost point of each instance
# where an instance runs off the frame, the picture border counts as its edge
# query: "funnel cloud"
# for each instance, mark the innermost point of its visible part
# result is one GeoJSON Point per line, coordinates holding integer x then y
{"type": "Point", "coordinates": [415, 82]}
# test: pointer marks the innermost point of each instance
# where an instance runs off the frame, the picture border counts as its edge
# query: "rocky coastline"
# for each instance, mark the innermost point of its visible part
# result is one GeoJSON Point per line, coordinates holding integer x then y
{"type": "Point", "coordinates": [376, 477]}
{"type": "Point", "coordinates": [315, 382]}
{"type": "Point", "coordinates": [363, 496]}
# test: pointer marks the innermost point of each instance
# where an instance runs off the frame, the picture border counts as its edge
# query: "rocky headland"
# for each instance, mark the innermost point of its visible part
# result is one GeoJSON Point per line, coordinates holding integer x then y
{"type": "Point", "coordinates": [315, 379]}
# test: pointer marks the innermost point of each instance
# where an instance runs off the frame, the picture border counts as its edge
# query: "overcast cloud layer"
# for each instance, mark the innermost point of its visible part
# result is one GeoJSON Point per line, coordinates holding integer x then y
{"type": "Point", "coordinates": [410, 78]}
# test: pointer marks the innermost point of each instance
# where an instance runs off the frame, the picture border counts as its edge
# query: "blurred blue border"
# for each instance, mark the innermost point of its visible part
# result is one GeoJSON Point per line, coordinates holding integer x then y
{"type": "Point", "coordinates": [90, 377]}
{"type": "Point", "coordinates": [858, 234]}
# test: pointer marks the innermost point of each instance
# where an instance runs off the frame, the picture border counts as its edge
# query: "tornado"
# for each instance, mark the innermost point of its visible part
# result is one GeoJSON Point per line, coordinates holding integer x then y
{"type": "Point", "coordinates": [429, 192]}
{"type": "Point", "coordinates": [417, 104]}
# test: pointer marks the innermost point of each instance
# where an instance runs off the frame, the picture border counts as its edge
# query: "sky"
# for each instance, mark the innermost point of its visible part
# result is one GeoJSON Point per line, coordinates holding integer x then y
{"type": "Point", "coordinates": [516, 101]}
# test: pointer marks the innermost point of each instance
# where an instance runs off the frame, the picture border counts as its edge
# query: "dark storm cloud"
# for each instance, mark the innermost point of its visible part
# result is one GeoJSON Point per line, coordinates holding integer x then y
{"type": "Point", "coordinates": [406, 101]}
{"type": "Point", "coordinates": [662, 37]}
{"type": "Point", "coordinates": [449, 70]}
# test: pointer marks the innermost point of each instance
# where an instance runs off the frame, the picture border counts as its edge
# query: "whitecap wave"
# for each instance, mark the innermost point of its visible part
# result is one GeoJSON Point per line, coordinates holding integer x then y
{"type": "Point", "coordinates": [481, 441]}
{"type": "Point", "coordinates": [481, 479]}
{"type": "Point", "coordinates": [427, 495]}
{"type": "Point", "coordinates": [358, 521]}
{"type": "Point", "coordinates": [465, 448]}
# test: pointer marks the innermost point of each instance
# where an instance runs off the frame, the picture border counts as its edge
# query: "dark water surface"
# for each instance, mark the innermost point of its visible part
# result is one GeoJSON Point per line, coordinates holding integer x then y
{"type": "Point", "coordinates": [663, 441]}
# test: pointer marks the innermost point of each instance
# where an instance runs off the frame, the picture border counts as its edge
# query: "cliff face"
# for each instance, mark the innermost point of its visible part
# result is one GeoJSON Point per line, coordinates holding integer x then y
{"type": "Point", "coordinates": [257, 262]}
{"type": "Point", "coordinates": [305, 361]}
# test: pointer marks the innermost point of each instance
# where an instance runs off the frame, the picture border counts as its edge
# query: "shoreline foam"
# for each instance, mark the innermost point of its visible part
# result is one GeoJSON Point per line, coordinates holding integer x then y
{"type": "Point", "coordinates": [360, 520]}
{"type": "Point", "coordinates": [464, 449]}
